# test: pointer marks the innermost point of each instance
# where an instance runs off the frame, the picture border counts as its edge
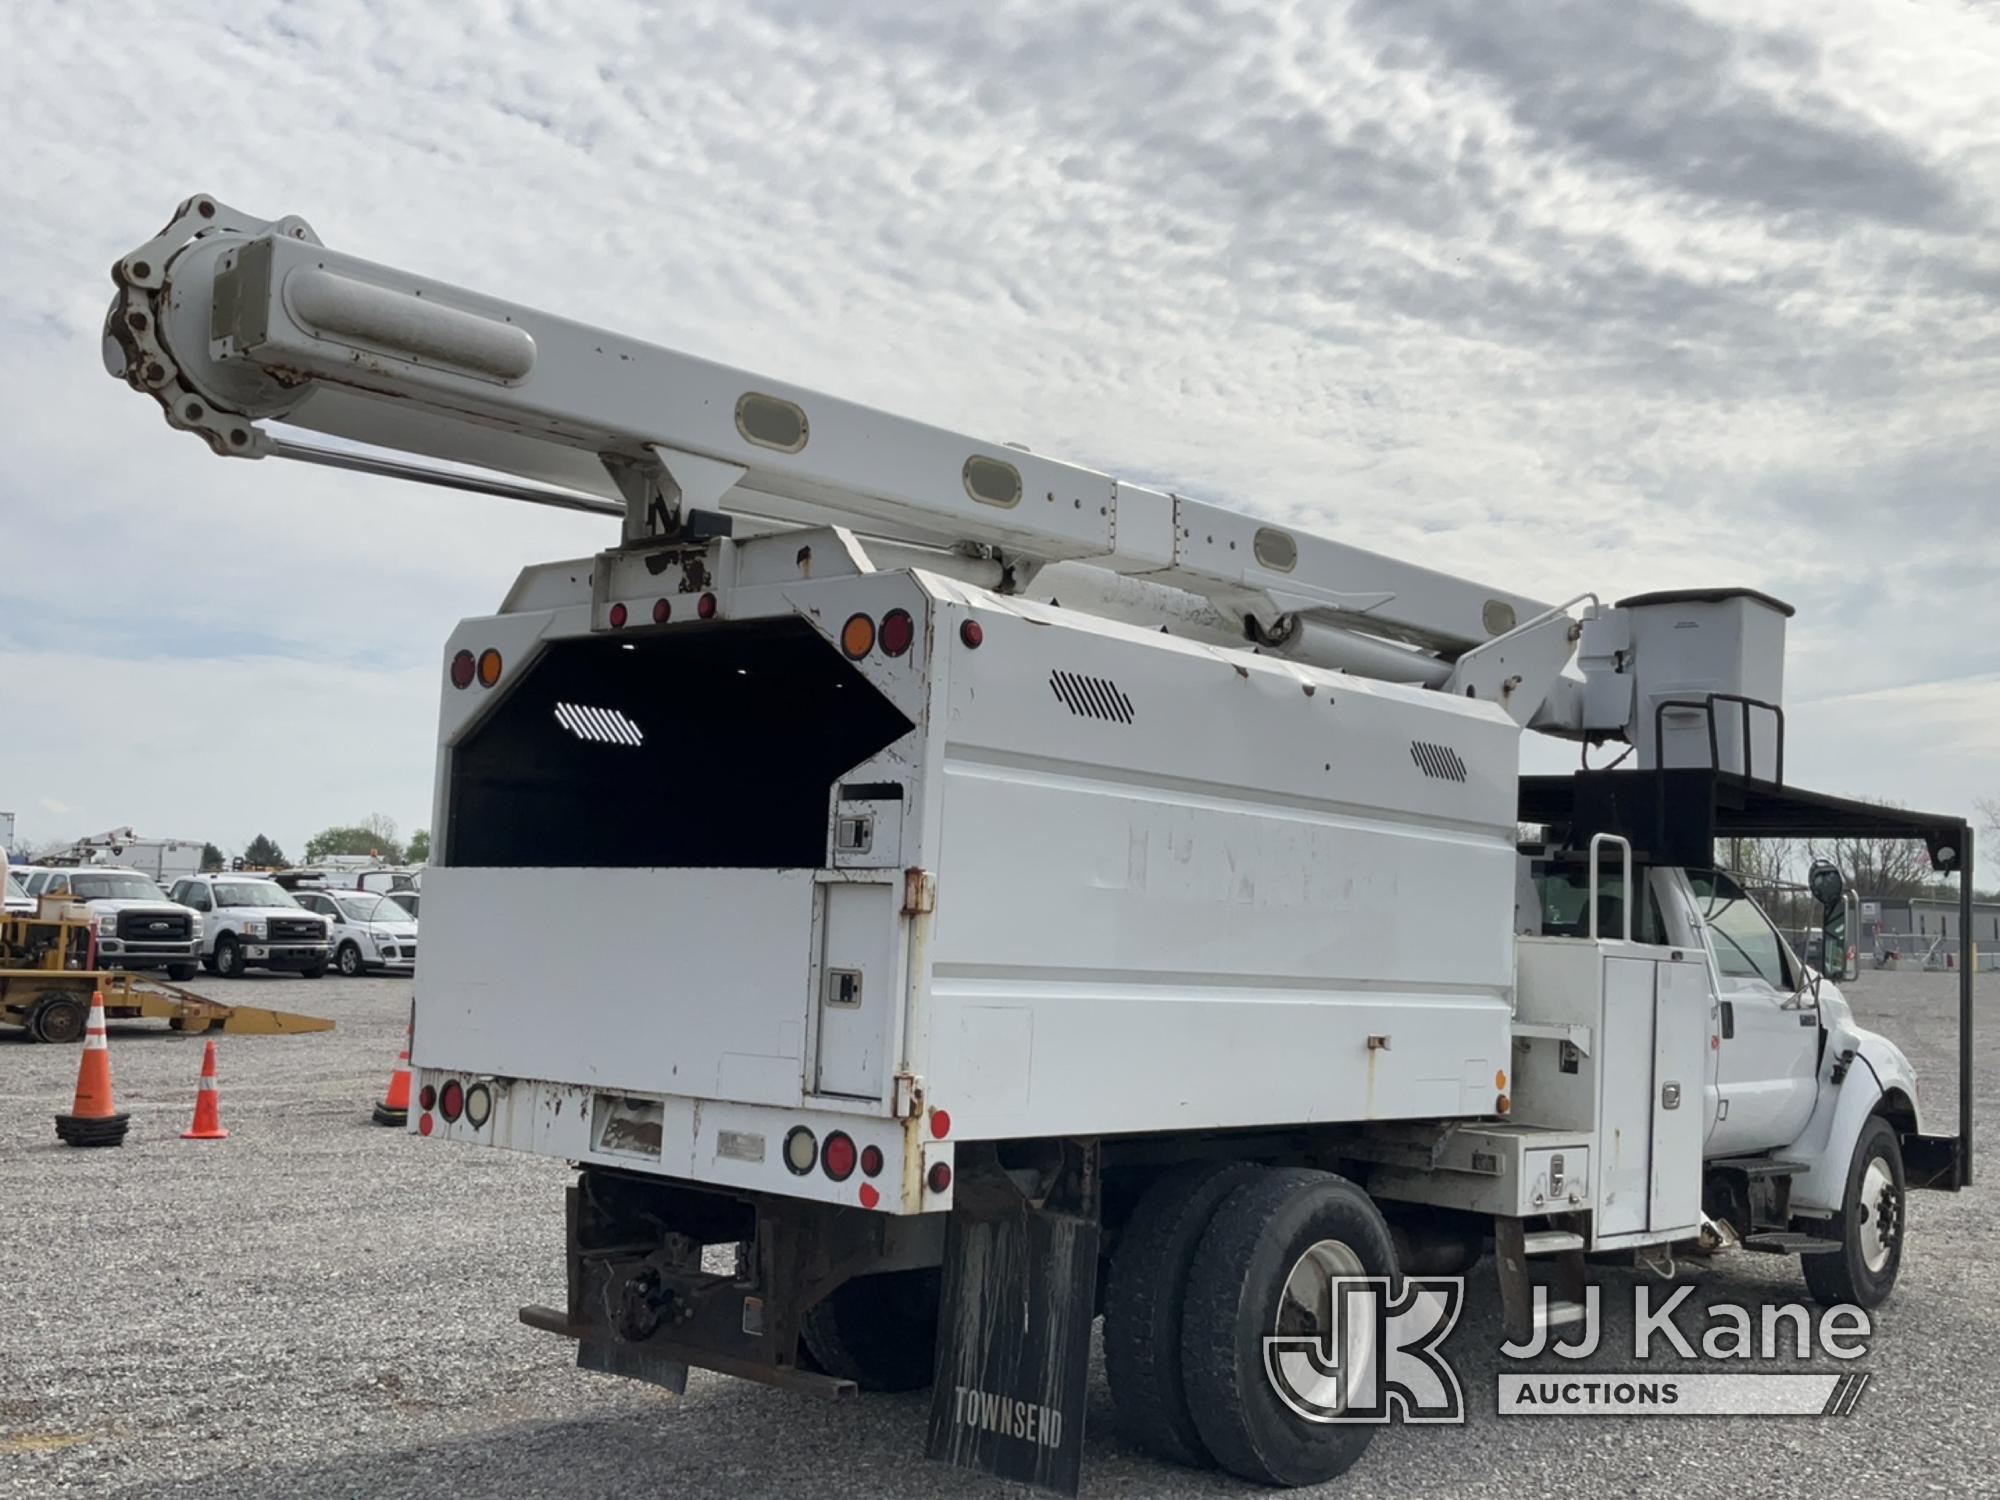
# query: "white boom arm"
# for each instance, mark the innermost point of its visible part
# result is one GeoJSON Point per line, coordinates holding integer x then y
{"type": "Point", "coordinates": [231, 321]}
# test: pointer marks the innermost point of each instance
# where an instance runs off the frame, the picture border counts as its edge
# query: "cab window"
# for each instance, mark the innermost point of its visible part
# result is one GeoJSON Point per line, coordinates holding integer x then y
{"type": "Point", "coordinates": [1746, 945]}
{"type": "Point", "coordinates": [1564, 895]}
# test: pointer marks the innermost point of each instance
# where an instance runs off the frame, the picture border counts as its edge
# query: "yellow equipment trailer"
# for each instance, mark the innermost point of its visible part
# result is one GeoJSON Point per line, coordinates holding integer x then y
{"type": "Point", "coordinates": [48, 974]}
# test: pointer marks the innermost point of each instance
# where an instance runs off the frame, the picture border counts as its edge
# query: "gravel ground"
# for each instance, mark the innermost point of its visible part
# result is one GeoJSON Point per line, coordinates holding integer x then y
{"type": "Point", "coordinates": [320, 1307]}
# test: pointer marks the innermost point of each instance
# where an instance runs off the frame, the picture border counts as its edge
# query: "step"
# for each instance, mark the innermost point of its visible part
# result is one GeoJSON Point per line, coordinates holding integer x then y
{"type": "Point", "coordinates": [1783, 1242]}
{"type": "Point", "coordinates": [1758, 1166]}
{"type": "Point", "coordinates": [1550, 1242]}
{"type": "Point", "coordinates": [1554, 1314]}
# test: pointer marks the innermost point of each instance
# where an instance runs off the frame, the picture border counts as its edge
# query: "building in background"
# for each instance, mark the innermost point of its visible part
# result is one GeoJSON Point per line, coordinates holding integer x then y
{"type": "Point", "coordinates": [1925, 928]}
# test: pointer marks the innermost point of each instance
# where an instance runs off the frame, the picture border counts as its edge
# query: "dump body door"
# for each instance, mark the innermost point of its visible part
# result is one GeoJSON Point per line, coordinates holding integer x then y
{"type": "Point", "coordinates": [858, 989]}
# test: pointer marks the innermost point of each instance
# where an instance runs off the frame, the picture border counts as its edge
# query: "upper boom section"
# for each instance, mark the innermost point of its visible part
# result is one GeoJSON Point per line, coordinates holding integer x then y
{"type": "Point", "coordinates": [231, 321]}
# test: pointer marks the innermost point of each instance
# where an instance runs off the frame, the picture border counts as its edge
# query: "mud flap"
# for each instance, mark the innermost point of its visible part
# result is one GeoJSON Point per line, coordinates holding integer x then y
{"type": "Point", "coordinates": [1013, 1358]}
{"type": "Point", "coordinates": [632, 1361]}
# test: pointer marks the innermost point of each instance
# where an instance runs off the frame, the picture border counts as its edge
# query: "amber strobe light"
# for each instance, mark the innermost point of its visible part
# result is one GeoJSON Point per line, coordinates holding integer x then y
{"type": "Point", "coordinates": [489, 667]}
{"type": "Point", "coordinates": [857, 636]}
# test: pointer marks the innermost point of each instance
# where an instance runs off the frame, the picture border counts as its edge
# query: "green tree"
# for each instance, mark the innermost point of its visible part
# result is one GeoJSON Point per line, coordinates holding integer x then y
{"type": "Point", "coordinates": [264, 854]}
{"type": "Point", "coordinates": [374, 836]}
{"type": "Point", "coordinates": [211, 857]}
{"type": "Point", "coordinates": [419, 848]}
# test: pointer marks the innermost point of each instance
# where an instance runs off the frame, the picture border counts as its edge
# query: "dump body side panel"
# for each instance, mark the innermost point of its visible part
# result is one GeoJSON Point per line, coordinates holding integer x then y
{"type": "Point", "coordinates": [1183, 888]}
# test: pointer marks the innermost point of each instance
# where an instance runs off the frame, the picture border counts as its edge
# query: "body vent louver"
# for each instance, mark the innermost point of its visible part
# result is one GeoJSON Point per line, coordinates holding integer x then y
{"type": "Point", "coordinates": [604, 726]}
{"type": "Point", "coordinates": [1438, 761]}
{"type": "Point", "coordinates": [1091, 697]}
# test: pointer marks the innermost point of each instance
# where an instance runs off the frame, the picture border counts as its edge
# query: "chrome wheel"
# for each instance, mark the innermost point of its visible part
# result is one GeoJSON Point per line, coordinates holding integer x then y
{"type": "Point", "coordinates": [1306, 1310]}
{"type": "Point", "coordinates": [1878, 1215]}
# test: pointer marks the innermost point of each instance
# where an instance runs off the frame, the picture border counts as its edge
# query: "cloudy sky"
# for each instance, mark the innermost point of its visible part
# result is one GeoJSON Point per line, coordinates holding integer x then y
{"type": "Point", "coordinates": [1568, 296]}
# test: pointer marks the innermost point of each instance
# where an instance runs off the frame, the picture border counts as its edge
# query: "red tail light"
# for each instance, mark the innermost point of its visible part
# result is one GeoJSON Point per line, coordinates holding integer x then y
{"type": "Point", "coordinates": [705, 606]}
{"type": "Point", "coordinates": [427, 1097]}
{"type": "Point", "coordinates": [663, 611]}
{"type": "Point", "coordinates": [451, 1100]}
{"type": "Point", "coordinates": [898, 632]}
{"type": "Point", "coordinates": [837, 1156]}
{"type": "Point", "coordinates": [972, 633]}
{"type": "Point", "coordinates": [871, 1161]}
{"type": "Point", "coordinates": [618, 617]}
{"type": "Point", "coordinates": [462, 667]}
{"type": "Point", "coordinates": [938, 1179]}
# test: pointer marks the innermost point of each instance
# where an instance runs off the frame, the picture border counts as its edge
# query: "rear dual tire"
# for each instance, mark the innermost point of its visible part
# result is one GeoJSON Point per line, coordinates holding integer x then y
{"type": "Point", "coordinates": [1214, 1261]}
{"type": "Point", "coordinates": [1143, 1298]}
{"type": "Point", "coordinates": [878, 1331]}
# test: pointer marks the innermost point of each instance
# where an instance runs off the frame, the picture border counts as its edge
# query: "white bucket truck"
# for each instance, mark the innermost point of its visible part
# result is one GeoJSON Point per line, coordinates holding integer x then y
{"type": "Point", "coordinates": [974, 881]}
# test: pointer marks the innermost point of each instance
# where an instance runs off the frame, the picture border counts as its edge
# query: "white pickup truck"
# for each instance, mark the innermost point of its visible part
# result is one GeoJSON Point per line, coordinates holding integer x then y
{"type": "Point", "coordinates": [248, 922]}
{"type": "Point", "coordinates": [137, 926]}
{"type": "Point", "coordinates": [989, 890]}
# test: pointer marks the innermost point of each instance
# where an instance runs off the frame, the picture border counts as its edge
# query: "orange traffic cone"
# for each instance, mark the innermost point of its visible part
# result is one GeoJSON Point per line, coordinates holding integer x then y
{"type": "Point", "coordinates": [394, 1107]}
{"type": "Point", "coordinates": [93, 1120]}
{"type": "Point", "coordinates": [207, 1104]}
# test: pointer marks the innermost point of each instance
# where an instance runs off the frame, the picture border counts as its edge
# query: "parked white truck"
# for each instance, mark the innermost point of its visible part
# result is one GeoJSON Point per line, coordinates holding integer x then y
{"type": "Point", "coordinates": [976, 881]}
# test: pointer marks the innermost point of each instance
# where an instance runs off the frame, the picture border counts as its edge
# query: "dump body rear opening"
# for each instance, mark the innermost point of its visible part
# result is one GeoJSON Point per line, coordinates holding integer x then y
{"type": "Point", "coordinates": [707, 747]}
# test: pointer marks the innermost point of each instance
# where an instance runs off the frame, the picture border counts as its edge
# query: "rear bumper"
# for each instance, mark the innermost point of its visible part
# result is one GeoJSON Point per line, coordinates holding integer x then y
{"type": "Point", "coordinates": [712, 1143]}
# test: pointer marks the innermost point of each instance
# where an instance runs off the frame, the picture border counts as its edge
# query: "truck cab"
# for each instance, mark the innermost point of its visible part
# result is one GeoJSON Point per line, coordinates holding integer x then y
{"type": "Point", "coordinates": [1781, 1043]}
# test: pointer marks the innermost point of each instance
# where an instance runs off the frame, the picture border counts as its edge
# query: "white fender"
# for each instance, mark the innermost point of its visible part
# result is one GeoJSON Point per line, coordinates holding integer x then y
{"type": "Point", "coordinates": [1879, 1069]}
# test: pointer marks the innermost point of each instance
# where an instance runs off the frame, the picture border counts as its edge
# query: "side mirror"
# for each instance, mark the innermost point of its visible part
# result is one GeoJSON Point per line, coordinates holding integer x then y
{"type": "Point", "coordinates": [1829, 889]}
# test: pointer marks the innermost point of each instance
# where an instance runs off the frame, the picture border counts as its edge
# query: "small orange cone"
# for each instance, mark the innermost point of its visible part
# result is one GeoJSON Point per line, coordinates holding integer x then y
{"type": "Point", "coordinates": [207, 1104]}
{"type": "Point", "coordinates": [93, 1120]}
{"type": "Point", "coordinates": [394, 1107]}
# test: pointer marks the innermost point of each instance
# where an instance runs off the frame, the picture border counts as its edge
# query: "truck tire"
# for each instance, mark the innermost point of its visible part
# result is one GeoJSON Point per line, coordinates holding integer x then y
{"type": "Point", "coordinates": [1863, 1270]}
{"type": "Point", "coordinates": [58, 1016]}
{"type": "Point", "coordinates": [878, 1331]}
{"type": "Point", "coordinates": [1285, 1232]}
{"type": "Point", "coordinates": [1143, 1299]}
{"type": "Point", "coordinates": [314, 971]}
{"type": "Point", "coordinates": [228, 958]}
{"type": "Point", "coordinates": [348, 960]}
{"type": "Point", "coordinates": [180, 973]}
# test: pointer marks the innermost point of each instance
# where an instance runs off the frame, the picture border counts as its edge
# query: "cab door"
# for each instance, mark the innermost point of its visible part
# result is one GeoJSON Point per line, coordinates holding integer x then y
{"type": "Point", "coordinates": [1767, 1047]}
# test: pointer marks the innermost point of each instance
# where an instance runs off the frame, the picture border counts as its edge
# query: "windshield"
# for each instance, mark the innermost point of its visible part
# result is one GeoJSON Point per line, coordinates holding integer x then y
{"type": "Point", "coordinates": [114, 888]}
{"type": "Point", "coordinates": [251, 893]}
{"type": "Point", "coordinates": [370, 909]}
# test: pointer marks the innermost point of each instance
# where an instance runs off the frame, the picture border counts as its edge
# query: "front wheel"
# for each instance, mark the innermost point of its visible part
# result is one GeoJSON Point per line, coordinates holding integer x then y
{"type": "Point", "coordinates": [348, 960]}
{"type": "Point", "coordinates": [228, 958]}
{"type": "Point", "coordinates": [180, 973]}
{"type": "Point", "coordinates": [1264, 1272]}
{"type": "Point", "coordinates": [314, 971]}
{"type": "Point", "coordinates": [1863, 1270]}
